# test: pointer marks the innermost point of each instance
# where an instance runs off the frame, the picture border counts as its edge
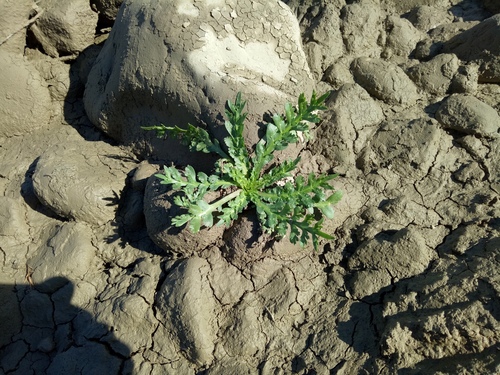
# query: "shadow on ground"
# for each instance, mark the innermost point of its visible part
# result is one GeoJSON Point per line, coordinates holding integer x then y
{"type": "Point", "coordinates": [42, 332]}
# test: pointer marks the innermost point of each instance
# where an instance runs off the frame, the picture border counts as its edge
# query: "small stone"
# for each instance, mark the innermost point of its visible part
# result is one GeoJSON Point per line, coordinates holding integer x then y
{"type": "Point", "coordinates": [402, 37]}
{"type": "Point", "coordinates": [159, 209]}
{"type": "Point", "coordinates": [435, 76]}
{"type": "Point", "coordinates": [467, 114]}
{"type": "Point", "coordinates": [46, 345]}
{"type": "Point", "coordinates": [66, 28]}
{"type": "Point", "coordinates": [142, 173]}
{"type": "Point", "coordinates": [385, 81]}
{"type": "Point", "coordinates": [466, 79]}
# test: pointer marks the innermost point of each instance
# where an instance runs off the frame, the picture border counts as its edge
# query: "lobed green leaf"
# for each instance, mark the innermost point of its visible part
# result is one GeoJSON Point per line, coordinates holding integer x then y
{"type": "Point", "coordinates": [290, 207]}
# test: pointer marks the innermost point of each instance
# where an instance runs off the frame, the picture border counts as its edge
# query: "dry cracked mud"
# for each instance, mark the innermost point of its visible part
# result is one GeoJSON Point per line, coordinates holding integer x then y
{"type": "Point", "coordinates": [94, 280]}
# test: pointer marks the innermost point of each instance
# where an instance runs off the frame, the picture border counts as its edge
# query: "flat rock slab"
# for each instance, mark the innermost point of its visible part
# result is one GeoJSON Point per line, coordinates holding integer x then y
{"type": "Point", "coordinates": [82, 180]}
{"type": "Point", "coordinates": [407, 148]}
{"type": "Point", "coordinates": [354, 118]}
{"type": "Point", "coordinates": [25, 103]}
{"type": "Point", "coordinates": [68, 252]}
{"type": "Point", "coordinates": [179, 62]}
{"type": "Point", "coordinates": [186, 304]}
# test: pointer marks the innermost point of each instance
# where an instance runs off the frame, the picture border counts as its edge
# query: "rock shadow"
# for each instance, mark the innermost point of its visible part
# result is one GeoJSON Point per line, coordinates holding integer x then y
{"type": "Point", "coordinates": [455, 364]}
{"type": "Point", "coordinates": [73, 108]}
{"type": "Point", "coordinates": [129, 224]}
{"type": "Point", "coordinates": [42, 332]}
{"type": "Point", "coordinates": [469, 11]}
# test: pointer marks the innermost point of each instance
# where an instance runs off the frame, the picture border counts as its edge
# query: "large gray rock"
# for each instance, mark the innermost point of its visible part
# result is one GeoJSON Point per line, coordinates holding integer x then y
{"type": "Point", "coordinates": [480, 44]}
{"type": "Point", "coordinates": [25, 103]}
{"type": "Point", "coordinates": [65, 28]}
{"type": "Point", "coordinates": [82, 180]}
{"type": "Point", "coordinates": [467, 114]}
{"type": "Point", "coordinates": [178, 62]}
{"type": "Point", "coordinates": [385, 81]}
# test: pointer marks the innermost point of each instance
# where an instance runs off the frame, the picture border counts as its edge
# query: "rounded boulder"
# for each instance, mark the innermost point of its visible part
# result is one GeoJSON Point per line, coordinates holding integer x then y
{"type": "Point", "coordinates": [178, 62]}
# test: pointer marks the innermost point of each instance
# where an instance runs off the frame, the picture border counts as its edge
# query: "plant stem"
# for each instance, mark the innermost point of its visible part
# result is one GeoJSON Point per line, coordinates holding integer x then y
{"type": "Point", "coordinates": [226, 199]}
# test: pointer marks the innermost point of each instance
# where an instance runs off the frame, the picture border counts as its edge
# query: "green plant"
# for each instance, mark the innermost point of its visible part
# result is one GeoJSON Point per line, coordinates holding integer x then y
{"type": "Point", "coordinates": [281, 202]}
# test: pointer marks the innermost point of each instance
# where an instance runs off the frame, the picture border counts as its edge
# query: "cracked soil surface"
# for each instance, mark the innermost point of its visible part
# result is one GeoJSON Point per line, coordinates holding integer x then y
{"type": "Point", "coordinates": [92, 279]}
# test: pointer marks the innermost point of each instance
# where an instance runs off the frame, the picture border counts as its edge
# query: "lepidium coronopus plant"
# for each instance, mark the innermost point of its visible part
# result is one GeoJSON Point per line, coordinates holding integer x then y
{"type": "Point", "coordinates": [285, 204]}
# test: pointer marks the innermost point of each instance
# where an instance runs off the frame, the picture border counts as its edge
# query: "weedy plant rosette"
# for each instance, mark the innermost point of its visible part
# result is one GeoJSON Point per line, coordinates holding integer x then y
{"type": "Point", "coordinates": [285, 205]}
